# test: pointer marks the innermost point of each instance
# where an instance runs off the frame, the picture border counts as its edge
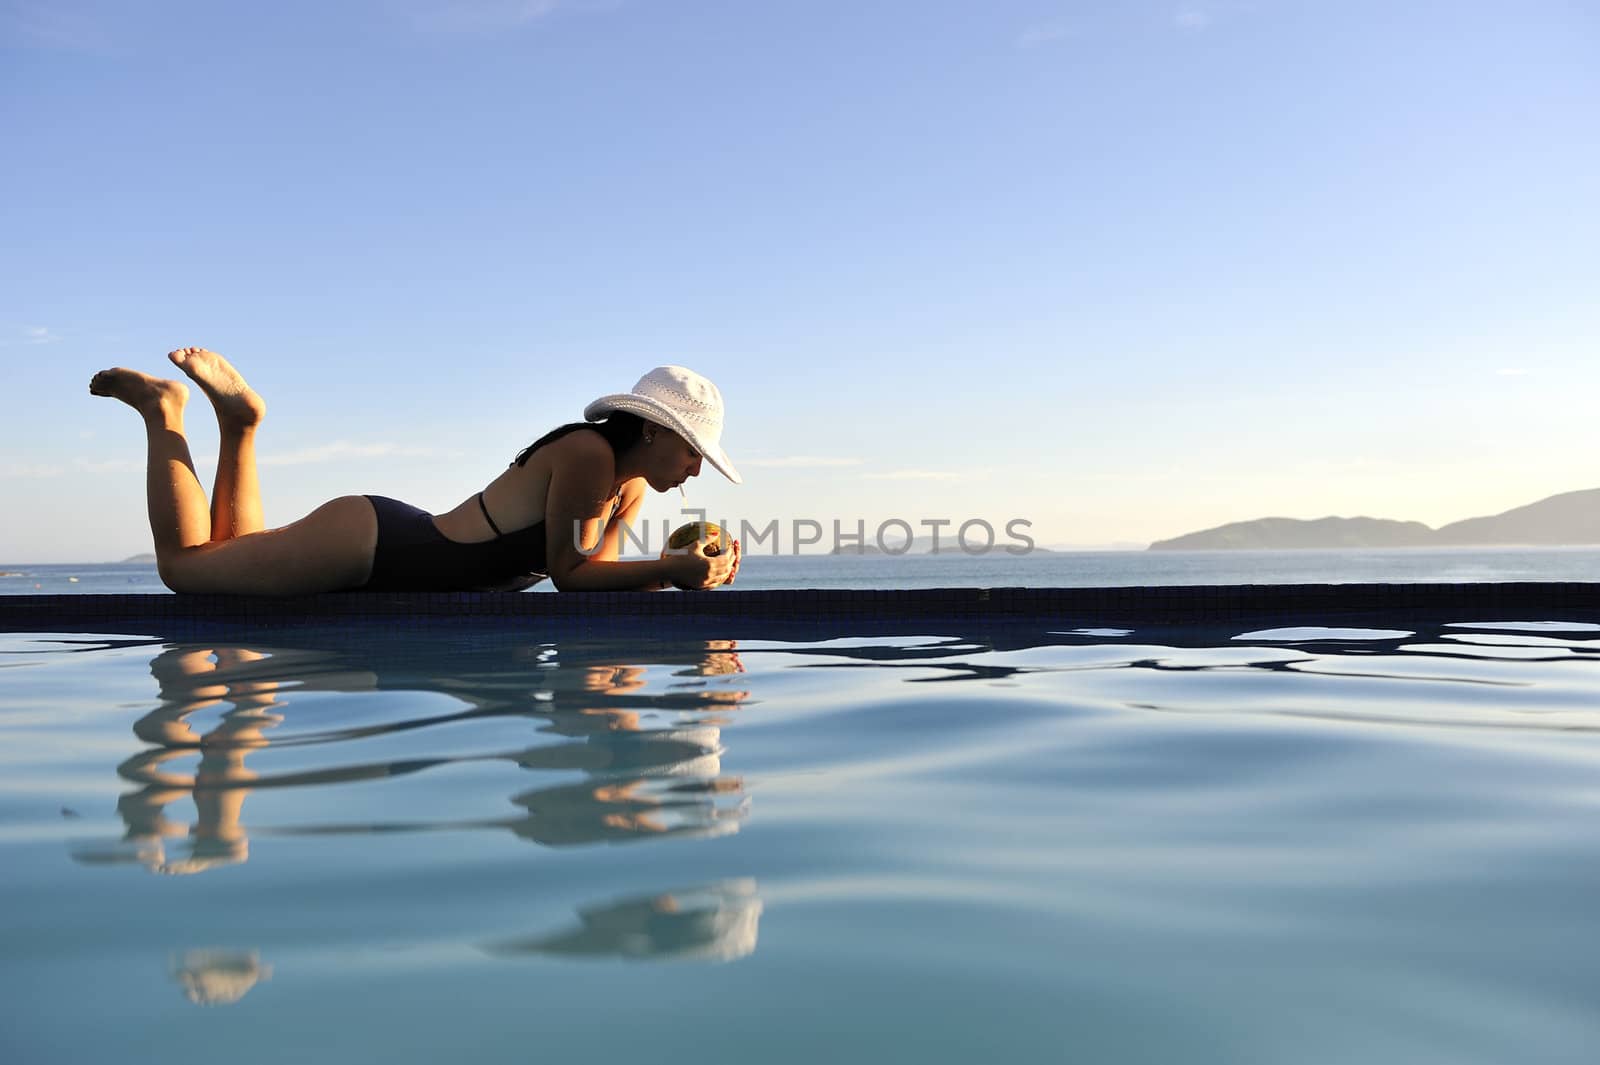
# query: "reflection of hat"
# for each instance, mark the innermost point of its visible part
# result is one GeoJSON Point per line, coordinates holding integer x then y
{"type": "Point", "coordinates": [218, 977]}
{"type": "Point", "coordinates": [717, 922]}
{"type": "Point", "coordinates": [681, 400]}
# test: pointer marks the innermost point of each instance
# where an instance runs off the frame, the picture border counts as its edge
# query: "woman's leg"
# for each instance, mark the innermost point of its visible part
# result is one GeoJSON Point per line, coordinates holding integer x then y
{"type": "Point", "coordinates": [179, 517]}
{"type": "Point", "coordinates": [236, 496]}
{"type": "Point", "coordinates": [329, 549]}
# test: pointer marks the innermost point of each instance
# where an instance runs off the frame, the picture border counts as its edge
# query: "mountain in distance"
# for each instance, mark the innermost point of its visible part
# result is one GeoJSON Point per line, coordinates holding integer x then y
{"type": "Point", "coordinates": [1567, 519]}
{"type": "Point", "coordinates": [1266, 533]}
{"type": "Point", "coordinates": [948, 545]}
{"type": "Point", "coordinates": [145, 557]}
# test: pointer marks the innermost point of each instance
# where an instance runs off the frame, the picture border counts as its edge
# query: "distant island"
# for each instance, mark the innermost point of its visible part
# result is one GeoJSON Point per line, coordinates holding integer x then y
{"type": "Point", "coordinates": [1571, 518]}
{"type": "Point", "coordinates": [141, 559]}
{"type": "Point", "coordinates": [948, 545]}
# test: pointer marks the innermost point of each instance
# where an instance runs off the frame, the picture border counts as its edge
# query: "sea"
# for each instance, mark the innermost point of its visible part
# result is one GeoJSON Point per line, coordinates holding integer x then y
{"type": "Point", "coordinates": [1335, 840]}
{"type": "Point", "coordinates": [996, 569]}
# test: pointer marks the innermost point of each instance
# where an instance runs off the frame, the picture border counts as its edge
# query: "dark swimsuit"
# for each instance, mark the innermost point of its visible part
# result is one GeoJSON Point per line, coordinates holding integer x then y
{"type": "Point", "coordinates": [412, 555]}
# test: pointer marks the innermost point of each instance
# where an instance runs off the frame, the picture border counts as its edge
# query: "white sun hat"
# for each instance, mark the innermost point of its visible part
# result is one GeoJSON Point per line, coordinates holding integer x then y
{"type": "Point", "coordinates": [681, 400]}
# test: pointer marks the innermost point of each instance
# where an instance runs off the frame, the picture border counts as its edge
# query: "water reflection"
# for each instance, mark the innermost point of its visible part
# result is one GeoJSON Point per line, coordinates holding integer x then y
{"type": "Point", "coordinates": [647, 748]}
{"type": "Point", "coordinates": [995, 653]}
{"type": "Point", "coordinates": [604, 743]}
{"type": "Point", "coordinates": [622, 751]}
{"type": "Point", "coordinates": [218, 977]}
{"type": "Point", "coordinates": [715, 922]}
{"type": "Point", "coordinates": [914, 820]}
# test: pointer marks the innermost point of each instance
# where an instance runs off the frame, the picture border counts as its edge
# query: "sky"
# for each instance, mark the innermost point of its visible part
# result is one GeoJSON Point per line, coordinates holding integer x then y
{"type": "Point", "coordinates": [1123, 270]}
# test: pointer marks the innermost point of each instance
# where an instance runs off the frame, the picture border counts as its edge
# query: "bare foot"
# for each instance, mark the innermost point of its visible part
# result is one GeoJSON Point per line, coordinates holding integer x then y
{"type": "Point", "coordinates": [238, 405]}
{"type": "Point", "coordinates": [150, 396]}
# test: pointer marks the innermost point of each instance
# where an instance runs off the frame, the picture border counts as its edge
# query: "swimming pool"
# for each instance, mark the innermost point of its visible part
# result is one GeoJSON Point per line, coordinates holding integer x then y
{"type": "Point", "coordinates": [1342, 838]}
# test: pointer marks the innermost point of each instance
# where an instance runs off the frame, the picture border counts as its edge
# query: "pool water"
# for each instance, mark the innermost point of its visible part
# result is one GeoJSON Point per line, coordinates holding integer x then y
{"type": "Point", "coordinates": [1319, 843]}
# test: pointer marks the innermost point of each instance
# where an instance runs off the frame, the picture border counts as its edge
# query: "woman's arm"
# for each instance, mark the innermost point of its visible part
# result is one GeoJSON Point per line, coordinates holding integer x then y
{"type": "Point", "coordinates": [578, 502]}
{"type": "Point", "coordinates": [645, 575]}
{"type": "Point", "coordinates": [611, 545]}
{"type": "Point", "coordinates": [627, 514]}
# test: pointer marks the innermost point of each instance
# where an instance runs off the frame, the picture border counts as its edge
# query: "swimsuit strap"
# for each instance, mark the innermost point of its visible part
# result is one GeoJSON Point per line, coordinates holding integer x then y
{"type": "Point", "coordinates": [485, 508]}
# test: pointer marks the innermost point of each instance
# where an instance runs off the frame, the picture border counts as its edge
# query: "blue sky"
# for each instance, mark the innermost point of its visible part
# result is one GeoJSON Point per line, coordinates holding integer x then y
{"type": "Point", "coordinates": [1122, 269]}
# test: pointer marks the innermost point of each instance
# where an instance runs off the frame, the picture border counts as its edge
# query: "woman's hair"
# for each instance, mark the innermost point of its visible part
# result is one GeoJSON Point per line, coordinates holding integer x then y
{"type": "Point", "coordinates": [621, 430]}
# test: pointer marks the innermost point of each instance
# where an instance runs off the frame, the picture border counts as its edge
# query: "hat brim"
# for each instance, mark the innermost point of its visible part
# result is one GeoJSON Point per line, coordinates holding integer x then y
{"type": "Point", "coordinates": [649, 409]}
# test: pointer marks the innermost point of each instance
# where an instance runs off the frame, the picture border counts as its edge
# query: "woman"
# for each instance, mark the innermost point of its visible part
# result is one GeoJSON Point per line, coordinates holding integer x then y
{"type": "Point", "coordinates": [555, 512]}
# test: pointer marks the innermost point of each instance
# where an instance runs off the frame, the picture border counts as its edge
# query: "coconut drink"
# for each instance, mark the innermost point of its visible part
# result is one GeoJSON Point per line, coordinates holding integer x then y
{"type": "Point", "coordinates": [708, 533]}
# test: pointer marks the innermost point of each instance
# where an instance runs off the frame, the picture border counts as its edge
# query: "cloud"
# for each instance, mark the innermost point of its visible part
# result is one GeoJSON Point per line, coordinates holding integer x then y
{"type": "Point", "coordinates": [38, 334]}
{"type": "Point", "coordinates": [28, 471]}
{"type": "Point", "coordinates": [1191, 19]}
{"type": "Point", "coordinates": [477, 16]}
{"type": "Point", "coordinates": [793, 462]}
{"type": "Point", "coordinates": [53, 25]}
{"type": "Point", "coordinates": [344, 449]}
{"type": "Point", "coordinates": [914, 475]}
{"type": "Point", "coordinates": [109, 465]}
{"type": "Point", "coordinates": [1043, 34]}
{"type": "Point", "coordinates": [339, 449]}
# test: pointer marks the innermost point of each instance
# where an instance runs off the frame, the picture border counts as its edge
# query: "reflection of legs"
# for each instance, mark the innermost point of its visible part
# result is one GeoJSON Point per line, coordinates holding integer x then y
{"type": "Point", "coordinates": [251, 699]}
{"type": "Point", "coordinates": [191, 679]}
{"type": "Point", "coordinates": [221, 776]}
{"type": "Point", "coordinates": [236, 497]}
{"type": "Point", "coordinates": [144, 812]}
{"type": "Point", "coordinates": [219, 792]}
{"type": "Point", "coordinates": [178, 671]}
{"type": "Point", "coordinates": [221, 779]}
{"type": "Point", "coordinates": [197, 678]}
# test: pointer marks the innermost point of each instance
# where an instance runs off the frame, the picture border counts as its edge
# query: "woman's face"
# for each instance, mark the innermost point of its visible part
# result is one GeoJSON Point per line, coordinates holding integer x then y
{"type": "Point", "coordinates": [670, 460]}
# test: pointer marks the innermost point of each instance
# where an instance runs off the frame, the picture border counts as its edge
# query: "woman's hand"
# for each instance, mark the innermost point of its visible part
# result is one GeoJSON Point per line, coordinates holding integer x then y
{"type": "Point", "coordinates": [693, 569]}
{"type": "Point", "coordinates": [721, 658]}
